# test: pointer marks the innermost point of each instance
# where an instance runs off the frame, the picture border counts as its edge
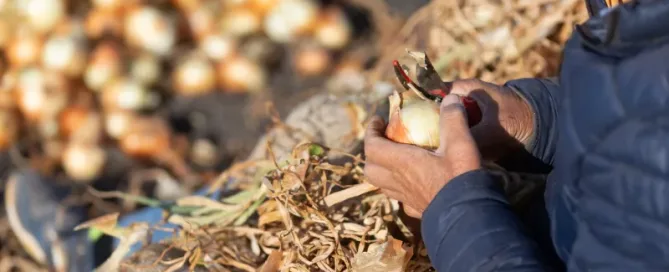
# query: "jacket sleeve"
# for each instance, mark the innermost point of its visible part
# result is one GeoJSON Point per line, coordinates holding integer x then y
{"type": "Point", "coordinates": [470, 226]}
{"type": "Point", "coordinates": [543, 97]}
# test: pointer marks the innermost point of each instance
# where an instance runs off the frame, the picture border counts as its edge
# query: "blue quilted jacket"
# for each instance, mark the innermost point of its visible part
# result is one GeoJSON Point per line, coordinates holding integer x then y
{"type": "Point", "coordinates": [603, 128]}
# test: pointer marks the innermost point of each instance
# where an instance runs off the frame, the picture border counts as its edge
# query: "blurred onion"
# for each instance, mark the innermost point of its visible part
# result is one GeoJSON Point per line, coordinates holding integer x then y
{"type": "Point", "coordinates": [334, 30]}
{"type": "Point", "coordinates": [24, 49]}
{"type": "Point", "coordinates": [9, 128]}
{"type": "Point", "coordinates": [204, 153]}
{"type": "Point", "coordinates": [83, 162]}
{"type": "Point", "coordinates": [43, 15]}
{"type": "Point", "coordinates": [218, 47]}
{"type": "Point", "coordinates": [150, 29]}
{"type": "Point", "coordinates": [103, 67]}
{"type": "Point", "coordinates": [100, 21]}
{"type": "Point", "coordinates": [312, 61]}
{"type": "Point", "coordinates": [126, 94]}
{"type": "Point", "coordinates": [201, 22]}
{"type": "Point", "coordinates": [65, 54]}
{"type": "Point", "coordinates": [289, 19]}
{"type": "Point", "coordinates": [118, 122]}
{"type": "Point", "coordinates": [241, 22]}
{"type": "Point", "coordinates": [194, 76]}
{"type": "Point", "coordinates": [240, 74]}
{"type": "Point", "coordinates": [145, 69]}
{"type": "Point", "coordinates": [147, 137]}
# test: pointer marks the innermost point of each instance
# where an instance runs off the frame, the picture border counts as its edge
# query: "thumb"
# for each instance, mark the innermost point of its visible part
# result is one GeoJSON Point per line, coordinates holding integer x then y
{"type": "Point", "coordinates": [452, 122]}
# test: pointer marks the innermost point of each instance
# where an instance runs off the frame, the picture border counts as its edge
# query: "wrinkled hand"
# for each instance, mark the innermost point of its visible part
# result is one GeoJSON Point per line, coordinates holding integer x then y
{"type": "Point", "coordinates": [507, 120]}
{"type": "Point", "coordinates": [414, 175]}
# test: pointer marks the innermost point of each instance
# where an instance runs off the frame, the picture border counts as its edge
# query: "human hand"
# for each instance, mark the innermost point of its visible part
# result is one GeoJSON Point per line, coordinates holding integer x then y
{"type": "Point", "coordinates": [507, 119]}
{"type": "Point", "coordinates": [414, 175]}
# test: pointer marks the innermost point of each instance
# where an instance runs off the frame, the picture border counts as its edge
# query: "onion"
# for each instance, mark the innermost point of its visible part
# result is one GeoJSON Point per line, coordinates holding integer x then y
{"type": "Point", "coordinates": [107, 4]}
{"type": "Point", "coordinates": [241, 22]}
{"type": "Point", "coordinates": [24, 49]}
{"type": "Point", "coordinates": [201, 22]}
{"type": "Point", "coordinates": [43, 15]}
{"type": "Point", "coordinates": [126, 94]}
{"type": "Point", "coordinates": [312, 61]}
{"type": "Point", "coordinates": [194, 76]}
{"type": "Point", "coordinates": [147, 137]}
{"type": "Point", "coordinates": [289, 19]}
{"type": "Point", "coordinates": [263, 6]}
{"type": "Point", "coordinates": [104, 66]}
{"type": "Point", "coordinates": [241, 75]}
{"type": "Point", "coordinates": [150, 29]}
{"type": "Point", "coordinates": [204, 153]}
{"type": "Point", "coordinates": [145, 69]}
{"type": "Point", "coordinates": [100, 21]}
{"type": "Point", "coordinates": [65, 54]}
{"type": "Point", "coordinates": [334, 31]}
{"type": "Point", "coordinates": [83, 162]}
{"type": "Point", "coordinates": [118, 123]}
{"type": "Point", "coordinates": [413, 120]}
{"type": "Point", "coordinates": [218, 47]}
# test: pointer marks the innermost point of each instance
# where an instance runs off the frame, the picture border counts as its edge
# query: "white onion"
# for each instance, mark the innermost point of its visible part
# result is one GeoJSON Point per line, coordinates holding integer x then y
{"type": "Point", "coordinates": [218, 47]}
{"type": "Point", "coordinates": [43, 15]}
{"type": "Point", "coordinates": [194, 76]}
{"type": "Point", "coordinates": [145, 69]}
{"type": "Point", "coordinates": [64, 54]}
{"type": "Point", "coordinates": [241, 74]}
{"type": "Point", "coordinates": [413, 120]}
{"type": "Point", "coordinates": [103, 68]}
{"type": "Point", "coordinates": [148, 28]}
{"type": "Point", "coordinates": [241, 22]}
{"type": "Point", "coordinates": [83, 162]}
{"type": "Point", "coordinates": [290, 18]}
{"type": "Point", "coordinates": [335, 31]}
{"type": "Point", "coordinates": [126, 94]}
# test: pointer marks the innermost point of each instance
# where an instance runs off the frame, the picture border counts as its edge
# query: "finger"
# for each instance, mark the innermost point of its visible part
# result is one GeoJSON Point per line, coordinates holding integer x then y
{"type": "Point", "coordinates": [412, 212]}
{"type": "Point", "coordinates": [465, 87]}
{"type": "Point", "coordinates": [379, 176]}
{"type": "Point", "coordinates": [379, 149]}
{"type": "Point", "coordinates": [452, 122]}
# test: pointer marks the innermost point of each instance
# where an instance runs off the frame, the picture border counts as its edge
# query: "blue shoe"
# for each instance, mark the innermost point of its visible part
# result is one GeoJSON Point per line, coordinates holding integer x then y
{"type": "Point", "coordinates": [44, 226]}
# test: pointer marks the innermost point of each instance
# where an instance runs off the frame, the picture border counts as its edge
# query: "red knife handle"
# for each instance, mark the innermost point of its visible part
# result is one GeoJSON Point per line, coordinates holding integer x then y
{"type": "Point", "coordinates": [474, 113]}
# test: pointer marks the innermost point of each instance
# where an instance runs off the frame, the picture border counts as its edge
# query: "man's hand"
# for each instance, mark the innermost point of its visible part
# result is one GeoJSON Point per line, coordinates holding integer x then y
{"type": "Point", "coordinates": [414, 175]}
{"type": "Point", "coordinates": [507, 121]}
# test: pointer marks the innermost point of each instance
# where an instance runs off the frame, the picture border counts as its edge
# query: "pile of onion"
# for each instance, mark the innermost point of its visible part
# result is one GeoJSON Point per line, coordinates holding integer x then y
{"type": "Point", "coordinates": [413, 120]}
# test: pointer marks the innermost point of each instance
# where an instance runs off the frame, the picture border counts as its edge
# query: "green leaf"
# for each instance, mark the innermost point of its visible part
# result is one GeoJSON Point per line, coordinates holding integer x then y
{"type": "Point", "coordinates": [94, 234]}
{"type": "Point", "coordinates": [316, 150]}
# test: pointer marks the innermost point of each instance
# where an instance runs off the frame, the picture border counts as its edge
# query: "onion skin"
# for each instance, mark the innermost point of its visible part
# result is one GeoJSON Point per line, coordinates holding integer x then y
{"type": "Point", "coordinates": [413, 120]}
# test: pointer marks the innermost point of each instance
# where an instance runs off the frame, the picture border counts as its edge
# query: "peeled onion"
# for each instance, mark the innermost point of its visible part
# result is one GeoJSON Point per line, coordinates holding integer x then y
{"type": "Point", "coordinates": [413, 120]}
{"type": "Point", "coordinates": [83, 162]}
{"type": "Point", "coordinates": [194, 76]}
{"type": "Point", "coordinates": [240, 74]}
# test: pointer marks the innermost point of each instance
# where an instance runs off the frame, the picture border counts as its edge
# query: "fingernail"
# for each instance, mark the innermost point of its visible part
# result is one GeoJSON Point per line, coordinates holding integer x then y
{"type": "Point", "coordinates": [450, 100]}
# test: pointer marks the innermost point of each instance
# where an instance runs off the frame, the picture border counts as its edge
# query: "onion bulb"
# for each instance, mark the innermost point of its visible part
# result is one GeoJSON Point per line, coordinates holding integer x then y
{"type": "Point", "coordinates": [194, 76]}
{"type": "Point", "coordinates": [103, 67]}
{"type": "Point", "coordinates": [204, 153]}
{"type": "Point", "coordinates": [148, 28]}
{"type": "Point", "coordinates": [107, 4]}
{"type": "Point", "coordinates": [201, 22]}
{"type": "Point", "coordinates": [127, 94]}
{"type": "Point", "coordinates": [64, 54]}
{"type": "Point", "coordinates": [118, 123]}
{"type": "Point", "coordinates": [289, 19]}
{"type": "Point", "coordinates": [147, 137]}
{"type": "Point", "coordinates": [218, 47]}
{"type": "Point", "coordinates": [312, 61]}
{"type": "Point", "coordinates": [413, 120]}
{"type": "Point", "coordinates": [82, 161]}
{"type": "Point", "coordinates": [240, 74]}
{"type": "Point", "coordinates": [146, 69]}
{"type": "Point", "coordinates": [100, 21]}
{"type": "Point", "coordinates": [43, 15]}
{"type": "Point", "coordinates": [241, 22]}
{"type": "Point", "coordinates": [334, 31]}
{"type": "Point", "coordinates": [24, 49]}
{"type": "Point", "coordinates": [263, 6]}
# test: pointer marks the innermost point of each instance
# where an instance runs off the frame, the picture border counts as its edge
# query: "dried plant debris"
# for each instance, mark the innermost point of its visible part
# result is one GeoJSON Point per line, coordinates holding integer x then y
{"type": "Point", "coordinates": [280, 219]}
